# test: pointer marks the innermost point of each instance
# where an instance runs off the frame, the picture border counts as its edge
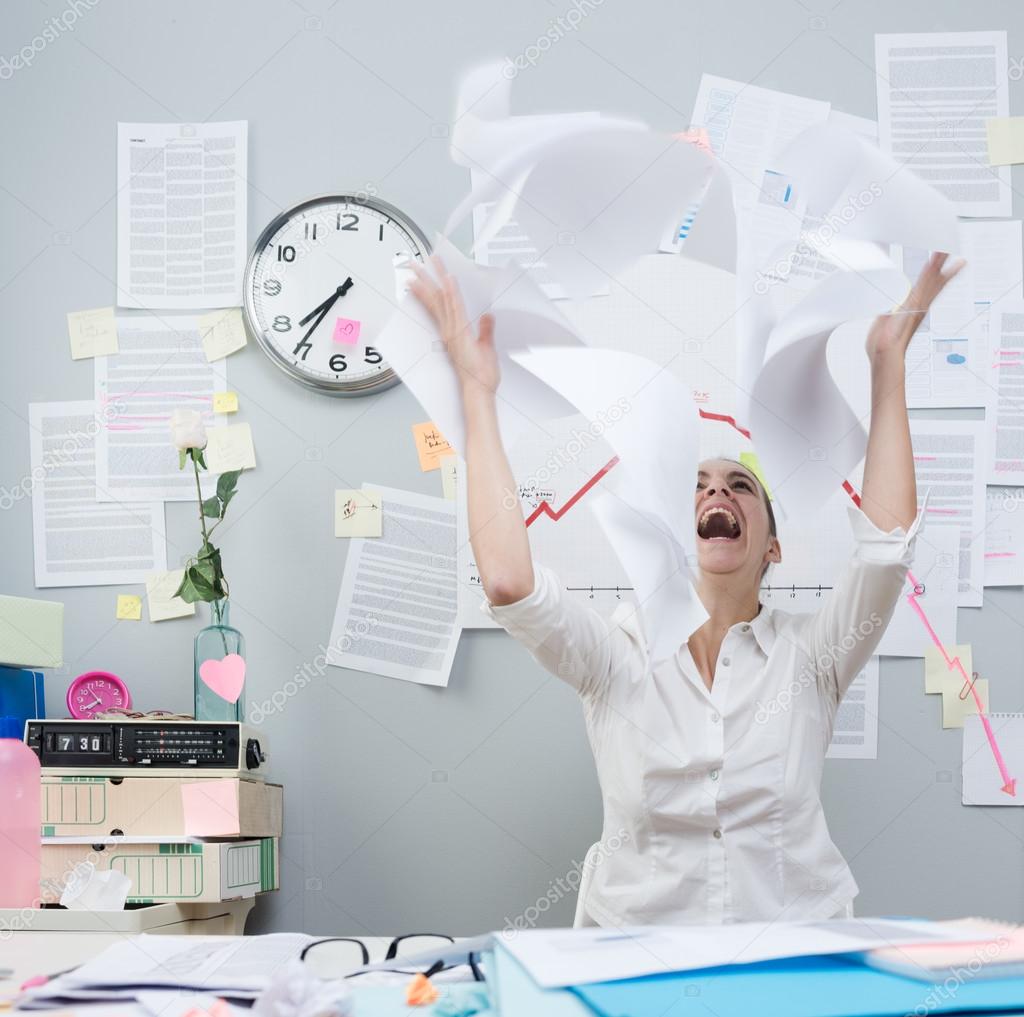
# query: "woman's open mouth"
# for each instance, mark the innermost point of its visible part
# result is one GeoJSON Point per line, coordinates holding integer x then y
{"type": "Point", "coordinates": [718, 523]}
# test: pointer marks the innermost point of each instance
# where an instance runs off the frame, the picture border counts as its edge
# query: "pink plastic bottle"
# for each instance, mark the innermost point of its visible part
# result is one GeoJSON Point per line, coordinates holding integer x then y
{"type": "Point", "coordinates": [19, 825]}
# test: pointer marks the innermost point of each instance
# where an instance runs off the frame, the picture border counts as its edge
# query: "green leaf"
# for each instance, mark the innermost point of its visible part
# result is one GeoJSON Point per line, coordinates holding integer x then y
{"type": "Point", "coordinates": [211, 507]}
{"type": "Point", "coordinates": [197, 457]}
{"type": "Point", "coordinates": [195, 586]}
{"type": "Point", "coordinates": [182, 454]}
{"type": "Point", "coordinates": [226, 485]}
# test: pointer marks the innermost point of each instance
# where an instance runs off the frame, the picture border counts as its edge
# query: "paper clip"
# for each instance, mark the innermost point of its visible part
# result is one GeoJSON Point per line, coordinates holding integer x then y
{"type": "Point", "coordinates": [968, 688]}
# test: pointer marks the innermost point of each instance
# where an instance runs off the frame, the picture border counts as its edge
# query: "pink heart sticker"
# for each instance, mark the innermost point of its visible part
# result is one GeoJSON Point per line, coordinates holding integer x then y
{"type": "Point", "coordinates": [226, 676]}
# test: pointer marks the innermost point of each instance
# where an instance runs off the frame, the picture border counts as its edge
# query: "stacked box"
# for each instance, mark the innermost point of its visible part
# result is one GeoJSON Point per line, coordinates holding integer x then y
{"type": "Point", "coordinates": [197, 839]}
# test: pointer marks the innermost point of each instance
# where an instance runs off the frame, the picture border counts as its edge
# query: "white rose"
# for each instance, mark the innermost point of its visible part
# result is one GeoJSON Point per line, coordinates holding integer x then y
{"type": "Point", "coordinates": [187, 429]}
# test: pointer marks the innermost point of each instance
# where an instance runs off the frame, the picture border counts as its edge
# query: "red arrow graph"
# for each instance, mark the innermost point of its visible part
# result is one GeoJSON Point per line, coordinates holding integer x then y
{"type": "Point", "coordinates": [1009, 783]}
{"type": "Point", "coordinates": [544, 509]}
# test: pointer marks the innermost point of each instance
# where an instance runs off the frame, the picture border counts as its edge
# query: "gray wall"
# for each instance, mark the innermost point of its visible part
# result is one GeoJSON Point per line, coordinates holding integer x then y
{"type": "Point", "coordinates": [408, 807]}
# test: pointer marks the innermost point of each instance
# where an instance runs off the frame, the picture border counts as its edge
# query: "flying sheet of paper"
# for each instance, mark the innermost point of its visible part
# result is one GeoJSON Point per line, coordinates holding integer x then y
{"type": "Point", "coordinates": [160, 596]}
{"type": "Point", "coordinates": [431, 445]}
{"type": "Point", "coordinates": [1004, 536]}
{"type": "Point", "coordinates": [181, 214]}
{"type": "Point", "coordinates": [523, 315]}
{"type": "Point", "coordinates": [748, 127]}
{"type": "Point", "coordinates": [591, 197]}
{"type": "Point", "coordinates": [230, 448]}
{"type": "Point", "coordinates": [449, 476]}
{"type": "Point", "coordinates": [855, 730]}
{"type": "Point", "coordinates": [935, 92]}
{"type": "Point", "coordinates": [92, 333]}
{"type": "Point", "coordinates": [222, 332]}
{"type": "Point", "coordinates": [681, 315]}
{"type": "Point", "coordinates": [813, 558]}
{"type": "Point", "coordinates": [1005, 411]}
{"type": "Point", "coordinates": [958, 703]}
{"type": "Point", "coordinates": [558, 478]}
{"type": "Point", "coordinates": [982, 782]}
{"type": "Point", "coordinates": [79, 541]}
{"type": "Point", "coordinates": [357, 513]}
{"type": "Point", "coordinates": [397, 607]}
{"type": "Point", "coordinates": [649, 519]}
{"type": "Point", "coordinates": [1005, 136]}
{"type": "Point", "coordinates": [161, 367]}
{"type": "Point", "coordinates": [948, 458]}
{"type": "Point", "coordinates": [938, 674]}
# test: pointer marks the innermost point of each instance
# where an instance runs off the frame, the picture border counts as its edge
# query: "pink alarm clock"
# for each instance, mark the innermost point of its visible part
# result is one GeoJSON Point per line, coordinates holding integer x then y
{"type": "Point", "coordinates": [96, 691]}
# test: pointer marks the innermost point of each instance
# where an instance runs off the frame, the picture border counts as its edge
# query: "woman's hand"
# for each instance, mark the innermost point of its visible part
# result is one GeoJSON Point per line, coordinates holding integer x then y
{"type": "Point", "coordinates": [473, 356]}
{"type": "Point", "coordinates": [890, 334]}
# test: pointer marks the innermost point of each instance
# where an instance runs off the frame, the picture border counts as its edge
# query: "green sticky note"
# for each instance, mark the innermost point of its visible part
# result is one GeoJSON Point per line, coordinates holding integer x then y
{"type": "Point", "coordinates": [31, 632]}
{"type": "Point", "coordinates": [753, 464]}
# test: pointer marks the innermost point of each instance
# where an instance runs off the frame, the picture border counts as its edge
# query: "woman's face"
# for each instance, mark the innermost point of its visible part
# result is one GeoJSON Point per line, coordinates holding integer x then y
{"type": "Point", "coordinates": [733, 529]}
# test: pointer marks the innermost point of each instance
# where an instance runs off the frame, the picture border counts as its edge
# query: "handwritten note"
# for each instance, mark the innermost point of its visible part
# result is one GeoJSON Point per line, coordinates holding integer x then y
{"type": "Point", "coordinates": [92, 333]}
{"type": "Point", "coordinates": [1005, 140]}
{"type": "Point", "coordinates": [230, 448]}
{"type": "Point", "coordinates": [225, 402]}
{"type": "Point", "coordinates": [357, 514]}
{"type": "Point", "coordinates": [449, 477]}
{"type": "Point", "coordinates": [210, 808]}
{"type": "Point", "coordinates": [221, 332]}
{"type": "Point", "coordinates": [163, 604]}
{"type": "Point", "coordinates": [431, 446]}
{"type": "Point", "coordinates": [347, 331]}
{"type": "Point", "coordinates": [129, 607]}
{"type": "Point", "coordinates": [938, 675]}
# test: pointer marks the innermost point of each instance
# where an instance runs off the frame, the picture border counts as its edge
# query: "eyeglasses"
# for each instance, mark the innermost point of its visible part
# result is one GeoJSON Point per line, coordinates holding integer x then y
{"type": "Point", "coordinates": [419, 941]}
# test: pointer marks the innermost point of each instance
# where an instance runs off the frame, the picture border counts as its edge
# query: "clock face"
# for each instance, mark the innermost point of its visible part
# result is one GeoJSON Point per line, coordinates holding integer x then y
{"type": "Point", "coordinates": [95, 692]}
{"type": "Point", "coordinates": [322, 281]}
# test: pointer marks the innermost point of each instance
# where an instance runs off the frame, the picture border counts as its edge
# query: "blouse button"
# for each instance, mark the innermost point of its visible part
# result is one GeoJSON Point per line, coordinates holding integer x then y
{"type": "Point", "coordinates": [718, 835]}
{"type": "Point", "coordinates": [744, 628]}
{"type": "Point", "coordinates": [715, 718]}
{"type": "Point", "coordinates": [726, 662]}
{"type": "Point", "coordinates": [713, 775]}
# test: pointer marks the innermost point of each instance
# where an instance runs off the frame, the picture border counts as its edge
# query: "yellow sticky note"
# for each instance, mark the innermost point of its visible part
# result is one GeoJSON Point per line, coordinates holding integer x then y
{"type": "Point", "coordinates": [938, 675]}
{"type": "Point", "coordinates": [221, 332]}
{"type": "Point", "coordinates": [92, 333]}
{"type": "Point", "coordinates": [752, 463]}
{"type": "Point", "coordinates": [129, 607]}
{"type": "Point", "coordinates": [449, 476]}
{"type": "Point", "coordinates": [163, 604]}
{"type": "Point", "coordinates": [1005, 140]}
{"type": "Point", "coordinates": [230, 448]}
{"type": "Point", "coordinates": [357, 513]}
{"type": "Point", "coordinates": [955, 708]}
{"type": "Point", "coordinates": [431, 445]}
{"type": "Point", "coordinates": [225, 402]}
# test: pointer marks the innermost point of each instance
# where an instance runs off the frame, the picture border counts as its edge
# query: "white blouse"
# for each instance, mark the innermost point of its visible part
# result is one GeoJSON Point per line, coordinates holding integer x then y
{"type": "Point", "coordinates": [711, 798]}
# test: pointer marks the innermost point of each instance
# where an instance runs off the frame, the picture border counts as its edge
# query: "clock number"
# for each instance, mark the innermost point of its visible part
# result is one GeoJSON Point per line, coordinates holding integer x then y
{"type": "Point", "coordinates": [285, 253]}
{"type": "Point", "coordinates": [271, 287]}
{"type": "Point", "coordinates": [282, 323]}
{"type": "Point", "coordinates": [380, 232]}
{"type": "Point", "coordinates": [311, 234]}
{"type": "Point", "coordinates": [351, 224]}
{"type": "Point", "coordinates": [372, 356]}
{"type": "Point", "coordinates": [337, 363]}
{"type": "Point", "coordinates": [305, 346]}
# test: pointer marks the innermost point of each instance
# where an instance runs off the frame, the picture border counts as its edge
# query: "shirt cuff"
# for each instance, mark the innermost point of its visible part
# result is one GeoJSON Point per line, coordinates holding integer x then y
{"type": "Point", "coordinates": [875, 545]}
{"type": "Point", "coordinates": [531, 619]}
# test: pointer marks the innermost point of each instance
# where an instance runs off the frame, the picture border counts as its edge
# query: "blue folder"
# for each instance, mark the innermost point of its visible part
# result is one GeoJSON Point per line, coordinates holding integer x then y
{"type": "Point", "coordinates": [21, 699]}
{"type": "Point", "coordinates": [798, 987]}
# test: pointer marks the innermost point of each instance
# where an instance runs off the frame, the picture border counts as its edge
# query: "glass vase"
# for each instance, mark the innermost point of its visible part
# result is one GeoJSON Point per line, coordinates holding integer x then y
{"type": "Point", "coordinates": [217, 641]}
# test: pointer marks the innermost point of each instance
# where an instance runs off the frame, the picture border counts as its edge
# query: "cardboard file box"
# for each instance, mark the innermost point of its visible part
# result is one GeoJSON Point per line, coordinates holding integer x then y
{"type": "Point", "coordinates": [152, 807]}
{"type": "Point", "coordinates": [171, 871]}
{"type": "Point", "coordinates": [31, 632]}
{"type": "Point", "coordinates": [226, 918]}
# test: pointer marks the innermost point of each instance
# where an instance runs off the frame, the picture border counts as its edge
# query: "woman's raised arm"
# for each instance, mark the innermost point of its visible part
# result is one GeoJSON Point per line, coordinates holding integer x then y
{"type": "Point", "coordinates": [496, 527]}
{"type": "Point", "coordinates": [889, 495]}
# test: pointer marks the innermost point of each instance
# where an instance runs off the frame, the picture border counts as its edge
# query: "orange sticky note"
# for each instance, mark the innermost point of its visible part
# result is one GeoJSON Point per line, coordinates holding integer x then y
{"type": "Point", "coordinates": [431, 445]}
{"type": "Point", "coordinates": [210, 808]}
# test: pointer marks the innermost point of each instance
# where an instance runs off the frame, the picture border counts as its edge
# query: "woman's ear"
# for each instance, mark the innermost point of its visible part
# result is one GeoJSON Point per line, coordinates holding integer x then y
{"type": "Point", "coordinates": [774, 554]}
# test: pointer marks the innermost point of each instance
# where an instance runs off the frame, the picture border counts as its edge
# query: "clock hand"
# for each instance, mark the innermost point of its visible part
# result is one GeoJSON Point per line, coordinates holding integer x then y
{"type": "Point", "coordinates": [324, 307]}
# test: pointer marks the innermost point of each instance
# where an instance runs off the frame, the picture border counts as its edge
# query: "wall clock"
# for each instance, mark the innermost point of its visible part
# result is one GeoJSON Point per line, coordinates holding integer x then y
{"type": "Point", "coordinates": [321, 282]}
{"type": "Point", "coordinates": [96, 691]}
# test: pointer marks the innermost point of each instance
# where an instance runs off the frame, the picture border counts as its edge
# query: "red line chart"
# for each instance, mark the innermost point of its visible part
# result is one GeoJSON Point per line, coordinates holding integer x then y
{"type": "Point", "coordinates": [544, 509]}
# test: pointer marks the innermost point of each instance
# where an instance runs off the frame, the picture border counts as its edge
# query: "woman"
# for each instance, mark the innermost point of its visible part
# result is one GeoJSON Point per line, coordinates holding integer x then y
{"type": "Point", "coordinates": [709, 763]}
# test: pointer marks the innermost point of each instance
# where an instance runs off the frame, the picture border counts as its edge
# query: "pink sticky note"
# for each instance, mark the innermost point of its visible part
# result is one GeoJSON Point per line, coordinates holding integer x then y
{"type": "Point", "coordinates": [210, 808]}
{"type": "Point", "coordinates": [346, 331]}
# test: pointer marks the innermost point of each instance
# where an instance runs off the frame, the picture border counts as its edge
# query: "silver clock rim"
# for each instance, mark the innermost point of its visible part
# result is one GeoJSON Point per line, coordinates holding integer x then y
{"type": "Point", "coordinates": [366, 386]}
